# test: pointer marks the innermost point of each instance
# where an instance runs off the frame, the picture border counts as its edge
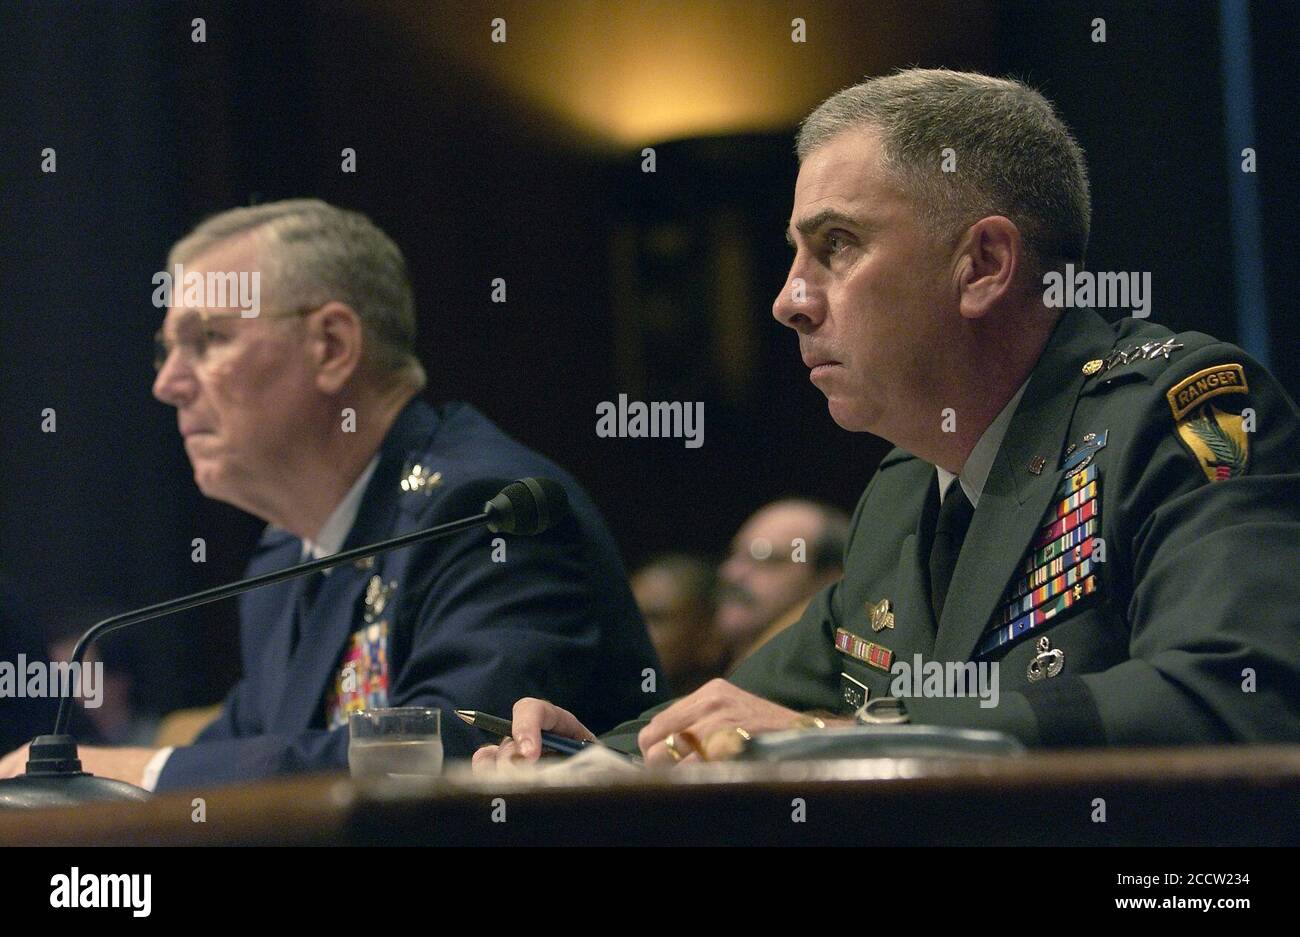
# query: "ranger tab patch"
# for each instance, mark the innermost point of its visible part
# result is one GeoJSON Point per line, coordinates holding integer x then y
{"type": "Point", "coordinates": [1214, 438]}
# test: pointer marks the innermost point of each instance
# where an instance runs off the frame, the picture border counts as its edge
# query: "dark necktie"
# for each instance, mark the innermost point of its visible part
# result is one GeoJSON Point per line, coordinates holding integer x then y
{"type": "Point", "coordinates": [303, 602]}
{"type": "Point", "coordinates": [949, 532]}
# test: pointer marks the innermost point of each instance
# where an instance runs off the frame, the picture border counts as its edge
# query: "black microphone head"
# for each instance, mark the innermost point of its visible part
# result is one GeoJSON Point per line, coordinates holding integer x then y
{"type": "Point", "coordinates": [528, 506]}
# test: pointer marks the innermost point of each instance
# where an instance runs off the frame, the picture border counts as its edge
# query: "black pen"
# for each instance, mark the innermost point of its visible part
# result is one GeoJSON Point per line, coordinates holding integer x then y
{"type": "Point", "coordinates": [501, 727]}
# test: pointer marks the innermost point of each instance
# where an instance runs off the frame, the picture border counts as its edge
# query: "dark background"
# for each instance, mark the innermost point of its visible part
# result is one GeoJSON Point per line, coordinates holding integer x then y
{"type": "Point", "coordinates": [476, 159]}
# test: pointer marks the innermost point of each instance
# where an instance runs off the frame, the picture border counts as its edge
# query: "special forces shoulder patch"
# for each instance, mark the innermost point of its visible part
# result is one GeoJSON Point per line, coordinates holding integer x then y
{"type": "Point", "coordinates": [1214, 437]}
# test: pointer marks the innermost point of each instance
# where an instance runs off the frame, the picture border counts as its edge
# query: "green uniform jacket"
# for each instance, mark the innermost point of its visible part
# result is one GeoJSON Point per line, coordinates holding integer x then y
{"type": "Point", "coordinates": [1164, 587]}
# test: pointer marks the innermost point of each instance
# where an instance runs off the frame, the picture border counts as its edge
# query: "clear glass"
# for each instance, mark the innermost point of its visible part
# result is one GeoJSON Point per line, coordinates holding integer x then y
{"type": "Point", "coordinates": [395, 743]}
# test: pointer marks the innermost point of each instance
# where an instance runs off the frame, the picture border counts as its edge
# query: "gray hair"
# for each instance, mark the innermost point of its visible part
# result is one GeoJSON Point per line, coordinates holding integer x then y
{"type": "Point", "coordinates": [317, 253]}
{"type": "Point", "coordinates": [1015, 156]}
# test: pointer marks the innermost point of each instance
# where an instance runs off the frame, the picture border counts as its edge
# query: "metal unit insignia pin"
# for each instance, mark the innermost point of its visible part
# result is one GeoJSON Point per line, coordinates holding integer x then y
{"type": "Point", "coordinates": [377, 595]}
{"type": "Point", "coordinates": [418, 478]}
{"type": "Point", "coordinates": [1036, 465]}
{"type": "Point", "coordinates": [1046, 663]}
{"type": "Point", "coordinates": [881, 616]}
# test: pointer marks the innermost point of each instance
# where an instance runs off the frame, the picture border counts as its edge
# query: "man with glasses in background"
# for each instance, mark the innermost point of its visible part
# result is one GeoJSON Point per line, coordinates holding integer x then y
{"type": "Point", "coordinates": [782, 556]}
{"type": "Point", "coordinates": [306, 413]}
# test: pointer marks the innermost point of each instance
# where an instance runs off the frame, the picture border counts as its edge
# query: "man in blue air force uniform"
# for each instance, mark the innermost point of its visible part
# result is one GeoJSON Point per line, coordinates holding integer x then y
{"type": "Point", "coordinates": [307, 415]}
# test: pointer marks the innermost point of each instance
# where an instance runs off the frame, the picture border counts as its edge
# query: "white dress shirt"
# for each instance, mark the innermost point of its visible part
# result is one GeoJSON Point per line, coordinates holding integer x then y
{"type": "Point", "coordinates": [980, 461]}
{"type": "Point", "coordinates": [327, 543]}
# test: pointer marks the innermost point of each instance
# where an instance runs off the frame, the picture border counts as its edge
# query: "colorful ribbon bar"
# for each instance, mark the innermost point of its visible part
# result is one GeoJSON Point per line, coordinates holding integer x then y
{"type": "Point", "coordinates": [997, 637]}
{"type": "Point", "coordinates": [1061, 583]}
{"type": "Point", "coordinates": [1065, 524]}
{"type": "Point", "coordinates": [863, 650]}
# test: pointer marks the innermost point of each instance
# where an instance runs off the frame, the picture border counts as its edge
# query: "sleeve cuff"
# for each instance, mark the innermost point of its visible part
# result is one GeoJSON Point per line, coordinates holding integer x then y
{"type": "Point", "coordinates": [1013, 715]}
{"type": "Point", "coordinates": [155, 766]}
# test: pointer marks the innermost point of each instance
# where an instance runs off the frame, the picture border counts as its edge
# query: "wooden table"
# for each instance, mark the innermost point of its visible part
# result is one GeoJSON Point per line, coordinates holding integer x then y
{"type": "Point", "coordinates": [1225, 795]}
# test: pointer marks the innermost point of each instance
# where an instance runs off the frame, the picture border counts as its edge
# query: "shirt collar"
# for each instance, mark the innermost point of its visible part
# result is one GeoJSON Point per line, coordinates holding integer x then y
{"type": "Point", "coordinates": [980, 461]}
{"type": "Point", "coordinates": [335, 531]}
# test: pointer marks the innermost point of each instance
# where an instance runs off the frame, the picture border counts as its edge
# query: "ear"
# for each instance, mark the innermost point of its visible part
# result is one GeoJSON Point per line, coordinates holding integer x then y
{"type": "Point", "coordinates": [989, 258]}
{"type": "Point", "coordinates": [334, 342]}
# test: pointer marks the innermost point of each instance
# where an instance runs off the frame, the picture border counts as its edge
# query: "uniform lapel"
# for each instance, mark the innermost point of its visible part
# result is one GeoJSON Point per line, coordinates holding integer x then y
{"type": "Point", "coordinates": [320, 645]}
{"type": "Point", "coordinates": [267, 621]}
{"type": "Point", "coordinates": [336, 611]}
{"type": "Point", "coordinates": [913, 596]}
{"type": "Point", "coordinates": [903, 584]}
{"type": "Point", "coordinates": [1014, 498]}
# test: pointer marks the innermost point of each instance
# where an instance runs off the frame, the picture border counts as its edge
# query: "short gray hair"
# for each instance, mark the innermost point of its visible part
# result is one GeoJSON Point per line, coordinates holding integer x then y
{"type": "Point", "coordinates": [1015, 156]}
{"type": "Point", "coordinates": [317, 253]}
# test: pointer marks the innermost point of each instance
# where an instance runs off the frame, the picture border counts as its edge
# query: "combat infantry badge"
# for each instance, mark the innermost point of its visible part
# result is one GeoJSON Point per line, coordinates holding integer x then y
{"type": "Point", "coordinates": [1080, 455]}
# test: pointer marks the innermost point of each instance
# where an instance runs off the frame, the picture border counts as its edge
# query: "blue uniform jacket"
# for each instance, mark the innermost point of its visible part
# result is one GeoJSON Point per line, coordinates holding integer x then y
{"type": "Point", "coordinates": [475, 621]}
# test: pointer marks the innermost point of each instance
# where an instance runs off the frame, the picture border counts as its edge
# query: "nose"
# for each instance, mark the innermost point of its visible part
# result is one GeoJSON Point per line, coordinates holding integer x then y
{"type": "Point", "coordinates": [733, 570]}
{"type": "Point", "coordinates": [801, 304]}
{"type": "Point", "coordinates": [175, 384]}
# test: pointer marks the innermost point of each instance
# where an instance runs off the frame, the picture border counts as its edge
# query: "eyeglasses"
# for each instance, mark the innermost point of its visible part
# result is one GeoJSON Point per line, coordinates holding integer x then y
{"type": "Point", "coordinates": [194, 337]}
{"type": "Point", "coordinates": [761, 553]}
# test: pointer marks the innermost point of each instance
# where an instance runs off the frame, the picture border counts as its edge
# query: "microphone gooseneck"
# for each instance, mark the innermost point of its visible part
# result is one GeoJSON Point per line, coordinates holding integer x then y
{"type": "Point", "coordinates": [54, 775]}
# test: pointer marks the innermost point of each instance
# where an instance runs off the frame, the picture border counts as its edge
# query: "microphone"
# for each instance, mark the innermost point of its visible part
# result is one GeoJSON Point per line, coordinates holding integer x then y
{"type": "Point", "coordinates": [54, 776]}
{"type": "Point", "coordinates": [527, 506]}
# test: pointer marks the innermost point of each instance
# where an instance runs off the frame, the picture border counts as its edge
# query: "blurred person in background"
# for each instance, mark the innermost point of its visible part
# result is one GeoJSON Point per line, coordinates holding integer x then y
{"type": "Point", "coordinates": [676, 595]}
{"type": "Point", "coordinates": [782, 556]}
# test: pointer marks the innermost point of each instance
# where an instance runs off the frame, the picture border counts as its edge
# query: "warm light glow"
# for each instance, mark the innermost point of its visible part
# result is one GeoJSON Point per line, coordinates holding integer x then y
{"type": "Point", "coordinates": [632, 72]}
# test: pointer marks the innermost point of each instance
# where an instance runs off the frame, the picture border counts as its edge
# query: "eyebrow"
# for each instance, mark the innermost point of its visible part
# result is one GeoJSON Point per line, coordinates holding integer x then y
{"type": "Point", "coordinates": [807, 226]}
{"type": "Point", "coordinates": [186, 317]}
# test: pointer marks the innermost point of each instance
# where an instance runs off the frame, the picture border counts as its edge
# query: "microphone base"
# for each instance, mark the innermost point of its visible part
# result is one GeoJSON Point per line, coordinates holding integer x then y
{"type": "Point", "coordinates": [54, 779]}
{"type": "Point", "coordinates": [28, 792]}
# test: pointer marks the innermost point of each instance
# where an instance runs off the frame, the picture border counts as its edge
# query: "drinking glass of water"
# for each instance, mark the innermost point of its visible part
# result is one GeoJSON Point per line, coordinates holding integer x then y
{"type": "Point", "coordinates": [395, 743]}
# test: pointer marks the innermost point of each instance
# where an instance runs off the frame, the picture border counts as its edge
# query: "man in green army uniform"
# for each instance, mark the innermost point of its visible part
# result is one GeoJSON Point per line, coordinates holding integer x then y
{"type": "Point", "coordinates": [1108, 513]}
